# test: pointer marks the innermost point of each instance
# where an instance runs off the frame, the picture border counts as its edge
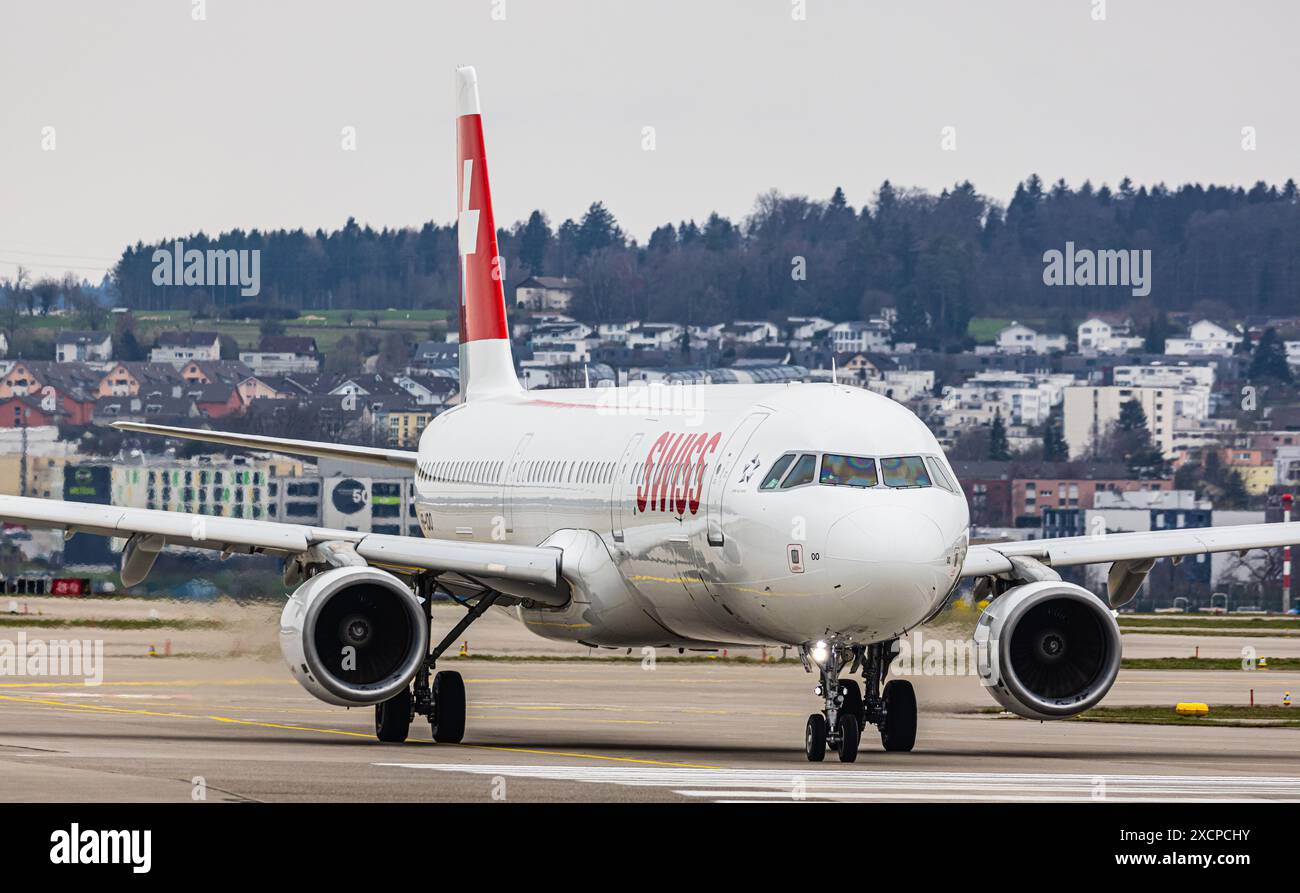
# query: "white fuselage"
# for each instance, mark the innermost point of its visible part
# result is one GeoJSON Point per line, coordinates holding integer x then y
{"type": "Point", "coordinates": [655, 493]}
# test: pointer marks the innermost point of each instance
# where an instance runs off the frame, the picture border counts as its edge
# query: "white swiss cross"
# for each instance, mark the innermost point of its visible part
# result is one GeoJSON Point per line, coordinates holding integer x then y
{"type": "Point", "coordinates": [467, 219]}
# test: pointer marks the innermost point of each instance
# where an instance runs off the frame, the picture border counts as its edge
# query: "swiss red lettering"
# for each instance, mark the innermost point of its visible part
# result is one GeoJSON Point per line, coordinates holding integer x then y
{"type": "Point", "coordinates": [697, 492]}
{"type": "Point", "coordinates": [673, 479]}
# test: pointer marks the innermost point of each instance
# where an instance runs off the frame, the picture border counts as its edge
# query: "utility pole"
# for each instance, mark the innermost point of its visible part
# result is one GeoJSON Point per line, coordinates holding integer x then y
{"type": "Point", "coordinates": [1286, 556]}
{"type": "Point", "coordinates": [22, 459]}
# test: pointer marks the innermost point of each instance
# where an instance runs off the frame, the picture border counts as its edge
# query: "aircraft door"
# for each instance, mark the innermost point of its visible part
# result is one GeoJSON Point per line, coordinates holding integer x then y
{"type": "Point", "coordinates": [721, 478]}
{"type": "Point", "coordinates": [510, 482]}
{"type": "Point", "coordinates": [622, 489]}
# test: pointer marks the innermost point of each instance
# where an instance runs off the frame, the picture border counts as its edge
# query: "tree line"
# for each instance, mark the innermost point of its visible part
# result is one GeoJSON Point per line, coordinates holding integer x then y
{"type": "Point", "coordinates": [939, 259]}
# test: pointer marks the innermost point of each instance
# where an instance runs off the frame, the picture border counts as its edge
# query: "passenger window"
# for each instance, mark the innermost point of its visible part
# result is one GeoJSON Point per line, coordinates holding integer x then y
{"type": "Point", "coordinates": [848, 471]}
{"type": "Point", "coordinates": [803, 472]}
{"type": "Point", "coordinates": [773, 479]}
{"type": "Point", "coordinates": [904, 471]}
{"type": "Point", "coordinates": [940, 474]}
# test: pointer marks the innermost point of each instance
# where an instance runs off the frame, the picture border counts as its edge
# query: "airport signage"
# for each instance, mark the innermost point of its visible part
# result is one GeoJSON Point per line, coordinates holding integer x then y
{"type": "Point", "coordinates": [74, 587]}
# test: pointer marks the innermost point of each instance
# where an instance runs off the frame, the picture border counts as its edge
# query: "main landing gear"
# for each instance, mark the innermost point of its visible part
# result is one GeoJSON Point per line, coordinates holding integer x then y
{"type": "Point", "coordinates": [439, 697]}
{"type": "Point", "coordinates": [848, 709]}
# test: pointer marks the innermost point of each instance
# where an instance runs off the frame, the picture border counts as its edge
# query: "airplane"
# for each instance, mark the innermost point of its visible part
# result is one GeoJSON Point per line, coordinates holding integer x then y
{"type": "Point", "coordinates": [817, 516]}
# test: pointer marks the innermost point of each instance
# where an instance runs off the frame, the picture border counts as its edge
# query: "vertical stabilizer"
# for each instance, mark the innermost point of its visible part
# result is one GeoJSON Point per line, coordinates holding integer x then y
{"type": "Point", "coordinates": [487, 367]}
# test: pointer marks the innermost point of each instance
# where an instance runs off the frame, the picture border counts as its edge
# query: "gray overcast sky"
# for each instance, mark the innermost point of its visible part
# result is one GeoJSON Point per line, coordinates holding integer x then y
{"type": "Point", "coordinates": [165, 125]}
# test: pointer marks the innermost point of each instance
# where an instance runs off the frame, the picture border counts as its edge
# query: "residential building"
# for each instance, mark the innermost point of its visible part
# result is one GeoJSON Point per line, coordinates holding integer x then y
{"type": "Point", "coordinates": [67, 387]}
{"type": "Point", "coordinates": [433, 387]}
{"type": "Point", "coordinates": [1097, 336]}
{"type": "Point", "coordinates": [282, 354]}
{"type": "Point", "coordinates": [903, 385]}
{"type": "Point", "coordinates": [29, 412]}
{"type": "Point", "coordinates": [44, 461]}
{"type": "Point", "coordinates": [559, 354]}
{"type": "Point", "coordinates": [546, 292]}
{"type": "Point", "coordinates": [1163, 375]}
{"type": "Point", "coordinates": [127, 379]}
{"type": "Point", "coordinates": [1020, 398]}
{"type": "Point", "coordinates": [987, 486]}
{"type": "Point", "coordinates": [1090, 412]}
{"type": "Point", "coordinates": [83, 347]}
{"type": "Point", "coordinates": [747, 332]}
{"type": "Point", "coordinates": [804, 330]}
{"type": "Point", "coordinates": [655, 336]}
{"type": "Point", "coordinates": [1205, 338]}
{"type": "Point", "coordinates": [178, 348]}
{"type": "Point", "coordinates": [859, 368]}
{"type": "Point", "coordinates": [404, 425]}
{"type": "Point", "coordinates": [859, 336]}
{"type": "Point", "coordinates": [1018, 338]}
{"type": "Point", "coordinates": [435, 354]}
{"type": "Point", "coordinates": [1031, 496]}
{"type": "Point", "coordinates": [148, 407]}
{"type": "Point", "coordinates": [1257, 468]}
{"type": "Point", "coordinates": [232, 487]}
{"type": "Point", "coordinates": [1286, 465]}
{"type": "Point", "coordinates": [616, 332]}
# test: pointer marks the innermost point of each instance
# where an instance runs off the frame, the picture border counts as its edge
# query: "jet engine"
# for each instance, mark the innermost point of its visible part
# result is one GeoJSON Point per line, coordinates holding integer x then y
{"type": "Point", "coordinates": [1047, 650]}
{"type": "Point", "coordinates": [353, 636]}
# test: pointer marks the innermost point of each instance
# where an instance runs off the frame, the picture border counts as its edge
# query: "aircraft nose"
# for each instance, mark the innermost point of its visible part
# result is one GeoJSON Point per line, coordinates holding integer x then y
{"type": "Point", "coordinates": [885, 534]}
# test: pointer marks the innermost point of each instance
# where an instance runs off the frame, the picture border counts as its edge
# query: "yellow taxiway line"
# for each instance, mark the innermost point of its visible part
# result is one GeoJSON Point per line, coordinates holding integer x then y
{"type": "Point", "coordinates": [49, 702]}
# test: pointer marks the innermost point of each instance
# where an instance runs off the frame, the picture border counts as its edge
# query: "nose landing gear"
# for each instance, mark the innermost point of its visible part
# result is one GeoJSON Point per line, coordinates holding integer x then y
{"type": "Point", "coordinates": [848, 709]}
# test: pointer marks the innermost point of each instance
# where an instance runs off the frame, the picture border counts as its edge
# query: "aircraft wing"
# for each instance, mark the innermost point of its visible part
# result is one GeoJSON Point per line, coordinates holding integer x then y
{"type": "Point", "coordinates": [151, 529]}
{"type": "Point", "coordinates": [995, 558]}
{"type": "Point", "coordinates": [373, 455]}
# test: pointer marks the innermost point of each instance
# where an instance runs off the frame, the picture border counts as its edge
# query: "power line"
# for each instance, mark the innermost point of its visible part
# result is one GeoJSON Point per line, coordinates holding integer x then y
{"type": "Point", "coordinates": [14, 249]}
{"type": "Point", "coordinates": [63, 267]}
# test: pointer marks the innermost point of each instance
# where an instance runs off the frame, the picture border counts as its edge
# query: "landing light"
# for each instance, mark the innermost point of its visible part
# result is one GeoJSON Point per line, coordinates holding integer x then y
{"type": "Point", "coordinates": [820, 651]}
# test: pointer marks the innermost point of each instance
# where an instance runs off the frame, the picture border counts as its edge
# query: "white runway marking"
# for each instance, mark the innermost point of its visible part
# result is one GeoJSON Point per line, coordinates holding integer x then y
{"type": "Point", "coordinates": [783, 785]}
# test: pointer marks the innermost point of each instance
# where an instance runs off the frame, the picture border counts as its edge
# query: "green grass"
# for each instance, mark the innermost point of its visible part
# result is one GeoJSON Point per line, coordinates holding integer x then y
{"type": "Point", "coordinates": [1227, 622]}
{"type": "Point", "coordinates": [51, 324]}
{"type": "Point", "coordinates": [1220, 715]}
{"type": "Point", "coordinates": [29, 622]}
{"type": "Point", "coordinates": [984, 329]}
{"type": "Point", "coordinates": [1204, 663]}
{"type": "Point", "coordinates": [1197, 631]}
{"type": "Point", "coordinates": [362, 317]}
{"type": "Point", "coordinates": [1234, 715]}
{"type": "Point", "coordinates": [326, 326]}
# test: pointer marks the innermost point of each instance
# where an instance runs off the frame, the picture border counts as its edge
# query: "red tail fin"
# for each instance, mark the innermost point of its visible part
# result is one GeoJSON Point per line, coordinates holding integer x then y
{"type": "Point", "coordinates": [486, 362]}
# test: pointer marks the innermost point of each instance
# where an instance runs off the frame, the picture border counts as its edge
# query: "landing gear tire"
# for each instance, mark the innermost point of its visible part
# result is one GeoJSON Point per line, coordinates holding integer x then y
{"type": "Point", "coordinates": [853, 700]}
{"type": "Point", "coordinates": [448, 717]}
{"type": "Point", "coordinates": [898, 730]}
{"type": "Point", "coordinates": [814, 742]}
{"type": "Point", "coordinates": [393, 718]}
{"type": "Point", "coordinates": [849, 735]}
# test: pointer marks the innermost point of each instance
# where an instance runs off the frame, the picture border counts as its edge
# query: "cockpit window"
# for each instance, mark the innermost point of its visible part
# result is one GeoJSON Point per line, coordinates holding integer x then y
{"type": "Point", "coordinates": [904, 471]}
{"type": "Point", "coordinates": [803, 472]}
{"type": "Point", "coordinates": [848, 471]}
{"type": "Point", "coordinates": [773, 479]}
{"type": "Point", "coordinates": [940, 475]}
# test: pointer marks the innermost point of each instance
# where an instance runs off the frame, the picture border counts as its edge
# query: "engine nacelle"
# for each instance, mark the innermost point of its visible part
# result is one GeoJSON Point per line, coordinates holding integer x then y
{"type": "Point", "coordinates": [353, 636]}
{"type": "Point", "coordinates": [1048, 650]}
